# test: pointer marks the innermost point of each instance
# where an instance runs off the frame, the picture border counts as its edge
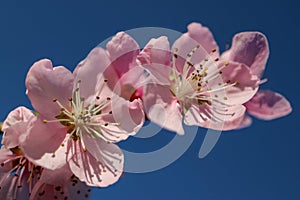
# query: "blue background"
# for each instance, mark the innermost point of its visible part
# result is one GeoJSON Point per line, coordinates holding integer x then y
{"type": "Point", "coordinates": [260, 162]}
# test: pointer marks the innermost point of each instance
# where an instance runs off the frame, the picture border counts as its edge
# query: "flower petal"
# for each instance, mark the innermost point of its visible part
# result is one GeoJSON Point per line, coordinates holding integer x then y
{"type": "Point", "coordinates": [156, 57]}
{"type": "Point", "coordinates": [14, 126]}
{"type": "Point", "coordinates": [10, 191]}
{"type": "Point", "coordinates": [121, 118]}
{"type": "Point", "coordinates": [39, 150]}
{"type": "Point", "coordinates": [101, 165]}
{"type": "Point", "coordinates": [157, 50]}
{"type": "Point", "coordinates": [203, 36]}
{"type": "Point", "coordinates": [88, 70]}
{"type": "Point", "coordinates": [130, 115]}
{"type": "Point", "coordinates": [246, 83]}
{"type": "Point", "coordinates": [252, 49]}
{"type": "Point", "coordinates": [130, 85]}
{"type": "Point", "coordinates": [239, 123]}
{"type": "Point", "coordinates": [5, 154]}
{"type": "Point", "coordinates": [214, 116]}
{"type": "Point", "coordinates": [162, 108]}
{"type": "Point", "coordinates": [268, 105]}
{"type": "Point", "coordinates": [123, 51]}
{"type": "Point", "coordinates": [197, 35]}
{"type": "Point", "coordinates": [45, 83]}
{"type": "Point", "coordinates": [56, 177]}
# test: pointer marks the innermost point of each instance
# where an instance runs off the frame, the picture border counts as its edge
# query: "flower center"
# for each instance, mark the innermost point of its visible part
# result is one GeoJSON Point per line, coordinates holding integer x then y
{"type": "Point", "coordinates": [81, 118]}
{"type": "Point", "coordinates": [198, 81]}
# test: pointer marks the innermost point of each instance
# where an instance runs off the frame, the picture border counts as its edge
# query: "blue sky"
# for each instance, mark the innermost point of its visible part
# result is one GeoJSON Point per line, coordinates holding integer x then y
{"type": "Point", "coordinates": [260, 162]}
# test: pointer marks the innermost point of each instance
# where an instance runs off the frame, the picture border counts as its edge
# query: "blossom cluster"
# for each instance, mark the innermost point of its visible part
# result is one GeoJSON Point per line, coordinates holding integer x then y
{"type": "Point", "coordinates": [67, 143]}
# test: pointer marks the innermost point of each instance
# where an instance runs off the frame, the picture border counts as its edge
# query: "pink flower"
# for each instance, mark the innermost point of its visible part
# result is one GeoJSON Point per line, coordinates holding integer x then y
{"type": "Point", "coordinates": [20, 178]}
{"type": "Point", "coordinates": [251, 49]}
{"type": "Point", "coordinates": [79, 119]}
{"type": "Point", "coordinates": [195, 87]}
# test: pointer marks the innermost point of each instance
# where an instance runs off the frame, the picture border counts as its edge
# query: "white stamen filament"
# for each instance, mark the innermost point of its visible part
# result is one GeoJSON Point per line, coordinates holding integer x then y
{"type": "Point", "coordinates": [193, 82]}
{"type": "Point", "coordinates": [84, 119]}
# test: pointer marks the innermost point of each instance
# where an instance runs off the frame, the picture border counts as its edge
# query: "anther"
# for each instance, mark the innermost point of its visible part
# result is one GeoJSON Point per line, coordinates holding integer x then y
{"type": "Point", "coordinates": [45, 121]}
{"type": "Point", "coordinates": [190, 64]}
{"type": "Point", "coordinates": [42, 193]}
{"type": "Point", "coordinates": [54, 100]}
{"type": "Point", "coordinates": [214, 50]}
{"type": "Point", "coordinates": [57, 188]}
{"type": "Point", "coordinates": [226, 63]}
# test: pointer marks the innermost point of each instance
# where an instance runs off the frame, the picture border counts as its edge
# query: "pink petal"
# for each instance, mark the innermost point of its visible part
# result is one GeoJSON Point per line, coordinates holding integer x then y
{"type": "Point", "coordinates": [101, 171]}
{"type": "Point", "coordinates": [247, 121]}
{"type": "Point", "coordinates": [5, 155]}
{"type": "Point", "coordinates": [156, 57]}
{"type": "Point", "coordinates": [157, 51]}
{"type": "Point", "coordinates": [246, 83]}
{"type": "Point", "coordinates": [39, 150]}
{"type": "Point", "coordinates": [203, 36]}
{"type": "Point", "coordinates": [196, 35]}
{"type": "Point", "coordinates": [89, 69]}
{"type": "Point", "coordinates": [239, 123]}
{"type": "Point", "coordinates": [14, 126]}
{"type": "Point", "coordinates": [162, 108]}
{"type": "Point", "coordinates": [214, 116]}
{"type": "Point", "coordinates": [123, 51]}
{"type": "Point", "coordinates": [268, 105]}
{"type": "Point", "coordinates": [250, 48]}
{"type": "Point", "coordinates": [55, 177]}
{"type": "Point", "coordinates": [9, 188]}
{"type": "Point", "coordinates": [42, 191]}
{"type": "Point", "coordinates": [130, 115]}
{"type": "Point", "coordinates": [44, 83]}
{"type": "Point", "coordinates": [130, 85]}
